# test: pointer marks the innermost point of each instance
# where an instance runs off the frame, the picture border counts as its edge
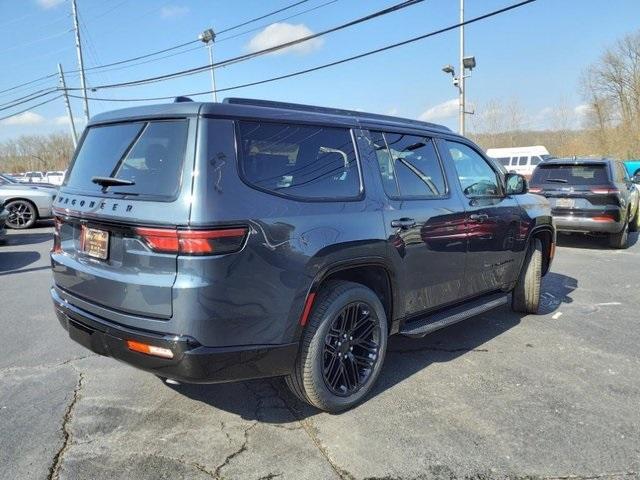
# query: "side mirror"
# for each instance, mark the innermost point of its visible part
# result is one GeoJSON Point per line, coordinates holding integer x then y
{"type": "Point", "coordinates": [515, 184]}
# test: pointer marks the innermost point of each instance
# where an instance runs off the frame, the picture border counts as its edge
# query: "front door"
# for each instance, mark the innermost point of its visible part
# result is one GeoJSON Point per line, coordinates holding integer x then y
{"type": "Point", "coordinates": [425, 223]}
{"type": "Point", "coordinates": [492, 222]}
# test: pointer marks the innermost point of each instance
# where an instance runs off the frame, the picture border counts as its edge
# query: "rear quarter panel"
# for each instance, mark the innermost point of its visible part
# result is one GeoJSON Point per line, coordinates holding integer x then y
{"type": "Point", "coordinates": [256, 296]}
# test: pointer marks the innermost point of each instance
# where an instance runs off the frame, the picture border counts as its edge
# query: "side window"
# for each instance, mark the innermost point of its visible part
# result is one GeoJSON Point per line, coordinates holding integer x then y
{"type": "Point", "coordinates": [514, 161]}
{"type": "Point", "coordinates": [523, 161]}
{"type": "Point", "coordinates": [504, 161]}
{"type": "Point", "coordinates": [302, 161]}
{"type": "Point", "coordinates": [535, 160]}
{"type": "Point", "coordinates": [477, 178]}
{"type": "Point", "coordinates": [409, 165]}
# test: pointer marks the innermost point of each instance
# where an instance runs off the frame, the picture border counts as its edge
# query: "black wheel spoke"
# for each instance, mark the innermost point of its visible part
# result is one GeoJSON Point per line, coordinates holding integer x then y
{"type": "Point", "coordinates": [351, 349]}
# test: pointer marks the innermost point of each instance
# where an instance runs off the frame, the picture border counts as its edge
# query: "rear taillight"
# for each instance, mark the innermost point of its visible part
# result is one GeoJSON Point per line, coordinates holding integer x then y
{"type": "Point", "coordinates": [605, 191]}
{"type": "Point", "coordinates": [194, 242]}
{"type": "Point", "coordinates": [535, 189]}
{"type": "Point", "coordinates": [57, 244]}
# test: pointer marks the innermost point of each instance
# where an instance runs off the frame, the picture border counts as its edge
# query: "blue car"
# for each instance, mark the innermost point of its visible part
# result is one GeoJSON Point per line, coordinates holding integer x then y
{"type": "Point", "coordinates": [633, 167]}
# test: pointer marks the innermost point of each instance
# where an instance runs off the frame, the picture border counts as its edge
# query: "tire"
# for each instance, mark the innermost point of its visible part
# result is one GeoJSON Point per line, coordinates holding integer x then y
{"type": "Point", "coordinates": [326, 374]}
{"type": "Point", "coordinates": [22, 214]}
{"type": "Point", "coordinates": [526, 294]}
{"type": "Point", "coordinates": [634, 225]}
{"type": "Point", "coordinates": [620, 240]}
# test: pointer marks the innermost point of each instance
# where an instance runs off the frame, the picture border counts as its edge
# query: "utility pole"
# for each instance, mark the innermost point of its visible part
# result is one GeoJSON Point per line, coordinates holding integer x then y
{"type": "Point", "coordinates": [466, 64]}
{"type": "Point", "coordinates": [461, 100]}
{"type": "Point", "coordinates": [74, 135]}
{"type": "Point", "coordinates": [208, 37]}
{"type": "Point", "coordinates": [83, 84]}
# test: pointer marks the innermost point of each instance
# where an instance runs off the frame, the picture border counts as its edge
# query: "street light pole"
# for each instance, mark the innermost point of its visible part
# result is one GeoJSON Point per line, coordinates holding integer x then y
{"type": "Point", "coordinates": [208, 37]}
{"type": "Point", "coordinates": [461, 78]}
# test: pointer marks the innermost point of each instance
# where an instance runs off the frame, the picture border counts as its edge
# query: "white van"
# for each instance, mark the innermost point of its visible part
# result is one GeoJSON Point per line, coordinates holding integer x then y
{"type": "Point", "coordinates": [522, 160]}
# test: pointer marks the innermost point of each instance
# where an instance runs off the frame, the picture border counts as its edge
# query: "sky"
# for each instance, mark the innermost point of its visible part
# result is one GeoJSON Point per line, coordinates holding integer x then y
{"type": "Point", "coordinates": [534, 55]}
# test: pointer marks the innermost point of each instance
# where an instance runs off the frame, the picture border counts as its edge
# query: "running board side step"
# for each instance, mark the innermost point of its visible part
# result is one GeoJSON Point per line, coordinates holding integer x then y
{"type": "Point", "coordinates": [449, 316]}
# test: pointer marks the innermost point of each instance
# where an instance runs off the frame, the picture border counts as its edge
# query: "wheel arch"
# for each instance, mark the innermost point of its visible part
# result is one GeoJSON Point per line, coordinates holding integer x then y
{"type": "Point", "coordinates": [546, 235]}
{"type": "Point", "coordinates": [374, 273]}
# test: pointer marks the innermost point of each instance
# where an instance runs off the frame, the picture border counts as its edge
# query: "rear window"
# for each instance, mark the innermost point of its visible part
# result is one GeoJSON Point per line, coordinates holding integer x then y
{"type": "Point", "coordinates": [150, 154]}
{"type": "Point", "coordinates": [585, 174]}
{"type": "Point", "coordinates": [309, 162]}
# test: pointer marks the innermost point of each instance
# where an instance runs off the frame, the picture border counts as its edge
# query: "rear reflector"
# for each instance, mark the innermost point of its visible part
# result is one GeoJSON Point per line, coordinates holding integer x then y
{"type": "Point", "coordinates": [603, 218]}
{"type": "Point", "coordinates": [307, 309]}
{"type": "Point", "coordinates": [149, 349]}
{"type": "Point", "coordinates": [194, 242]}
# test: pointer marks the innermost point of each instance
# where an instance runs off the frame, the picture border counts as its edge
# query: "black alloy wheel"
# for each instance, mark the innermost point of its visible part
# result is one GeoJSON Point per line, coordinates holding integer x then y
{"type": "Point", "coordinates": [351, 349]}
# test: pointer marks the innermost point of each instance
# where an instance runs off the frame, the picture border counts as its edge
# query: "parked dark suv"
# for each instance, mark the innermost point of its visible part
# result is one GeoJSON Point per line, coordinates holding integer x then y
{"type": "Point", "coordinates": [590, 196]}
{"type": "Point", "coordinates": [214, 242]}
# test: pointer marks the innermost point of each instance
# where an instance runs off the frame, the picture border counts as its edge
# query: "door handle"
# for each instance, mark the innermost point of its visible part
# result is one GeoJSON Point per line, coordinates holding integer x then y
{"type": "Point", "coordinates": [478, 217]}
{"type": "Point", "coordinates": [403, 223]}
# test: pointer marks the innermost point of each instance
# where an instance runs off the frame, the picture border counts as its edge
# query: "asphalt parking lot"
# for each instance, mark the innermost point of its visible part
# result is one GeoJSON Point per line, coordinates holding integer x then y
{"type": "Point", "coordinates": [555, 395]}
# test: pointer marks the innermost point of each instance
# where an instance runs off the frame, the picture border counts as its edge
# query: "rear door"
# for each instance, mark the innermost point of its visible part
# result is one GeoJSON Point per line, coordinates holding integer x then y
{"type": "Point", "coordinates": [101, 257]}
{"type": "Point", "coordinates": [424, 221]}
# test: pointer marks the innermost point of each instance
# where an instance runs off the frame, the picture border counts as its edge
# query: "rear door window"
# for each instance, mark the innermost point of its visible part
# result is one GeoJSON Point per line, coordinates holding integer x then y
{"type": "Point", "coordinates": [409, 165]}
{"type": "Point", "coordinates": [149, 154]}
{"type": "Point", "coordinates": [302, 161]}
{"type": "Point", "coordinates": [571, 174]}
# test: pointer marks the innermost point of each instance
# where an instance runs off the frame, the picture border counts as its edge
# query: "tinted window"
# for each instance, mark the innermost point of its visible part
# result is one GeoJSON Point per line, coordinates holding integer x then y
{"type": "Point", "coordinates": [535, 160]}
{"type": "Point", "coordinates": [298, 160]}
{"type": "Point", "coordinates": [504, 161]}
{"type": "Point", "coordinates": [409, 165]}
{"type": "Point", "coordinates": [581, 174]}
{"type": "Point", "coordinates": [523, 160]}
{"type": "Point", "coordinates": [477, 178]}
{"type": "Point", "coordinates": [150, 154]}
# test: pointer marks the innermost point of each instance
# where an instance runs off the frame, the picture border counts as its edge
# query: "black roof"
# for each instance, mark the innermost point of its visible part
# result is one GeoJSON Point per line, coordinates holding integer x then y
{"type": "Point", "coordinates": [250, 108]}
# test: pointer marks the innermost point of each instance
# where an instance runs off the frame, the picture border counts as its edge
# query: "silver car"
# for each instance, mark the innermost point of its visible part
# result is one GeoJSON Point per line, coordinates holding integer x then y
{"type": "Point", "coordinates": [25, 203]}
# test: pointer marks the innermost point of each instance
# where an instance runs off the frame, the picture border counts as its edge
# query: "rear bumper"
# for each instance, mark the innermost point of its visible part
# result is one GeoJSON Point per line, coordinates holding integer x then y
{"type": "Point", "coordinates": [585, 225]}
{"type": "Point", "coordinates": [192, 362]}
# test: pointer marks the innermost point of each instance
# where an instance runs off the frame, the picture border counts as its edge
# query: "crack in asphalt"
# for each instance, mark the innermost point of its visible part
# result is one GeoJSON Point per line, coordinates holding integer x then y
{"type": "Point", "coordinates": [45, 366]}
{"type": "Point", "coordinates": [243, 448]}
{"type": "Point", "coordinates": [54, 469]}
{"type": "Point", "coordinates": [308, 428]}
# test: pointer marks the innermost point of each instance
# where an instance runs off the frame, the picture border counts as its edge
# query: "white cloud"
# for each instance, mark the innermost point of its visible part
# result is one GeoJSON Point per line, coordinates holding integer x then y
{"type": "Point", "coordinates": [26, 118]}
{"type": "Point", "coordinates": [393, 111]}
{"type": "Point", "coordinates": [46, 4]}
{"type": "Point", "coordinates": [278, 33]}
{"type": "Point", "coordinates": [61, 120]}
{"type": "Point", "coordinates": [441, 111]}
{"type": "Point", "coordinates": [172, 11]}
{"type": "Point", "coordinates": [582, 111]}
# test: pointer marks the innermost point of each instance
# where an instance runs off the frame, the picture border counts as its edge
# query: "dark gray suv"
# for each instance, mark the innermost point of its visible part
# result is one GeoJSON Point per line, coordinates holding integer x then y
{"type": "Point", "coordinates": [214, 242]}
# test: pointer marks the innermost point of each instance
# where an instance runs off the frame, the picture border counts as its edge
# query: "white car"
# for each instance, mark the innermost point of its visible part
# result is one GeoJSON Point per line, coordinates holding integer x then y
{"type": "Point", "coordinates": [34, 177]}
{"type": "Point", "coordinates": [54, 177]}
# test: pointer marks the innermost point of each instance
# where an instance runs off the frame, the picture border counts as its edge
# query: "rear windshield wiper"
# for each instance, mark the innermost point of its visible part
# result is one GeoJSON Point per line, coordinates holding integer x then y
{"type": "Point", "coordinates": [111, 181]}
{"type": "Point", "coordinates": [556, 180]}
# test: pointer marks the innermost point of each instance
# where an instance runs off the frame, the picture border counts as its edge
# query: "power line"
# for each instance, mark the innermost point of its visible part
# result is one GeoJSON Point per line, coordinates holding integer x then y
{"type": "Point", "coordinates": [264, 25]}
{"type": "Point", "coordinates": [31, 107]}
{"type": "Point", "coordinates": [175, 47]}
{"type": "Point", "coordinates": [332, 64]}
{"type": "Point", "coordinates": [191, 71]}
{"type": "Point", "coordinates": [228, 29]}
{"type": "Point", "coordinates": [28, 98]}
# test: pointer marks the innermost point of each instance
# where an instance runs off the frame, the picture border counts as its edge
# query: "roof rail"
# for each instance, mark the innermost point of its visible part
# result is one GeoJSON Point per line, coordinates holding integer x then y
{"type": "Point", "coordinates": [331, 111]}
